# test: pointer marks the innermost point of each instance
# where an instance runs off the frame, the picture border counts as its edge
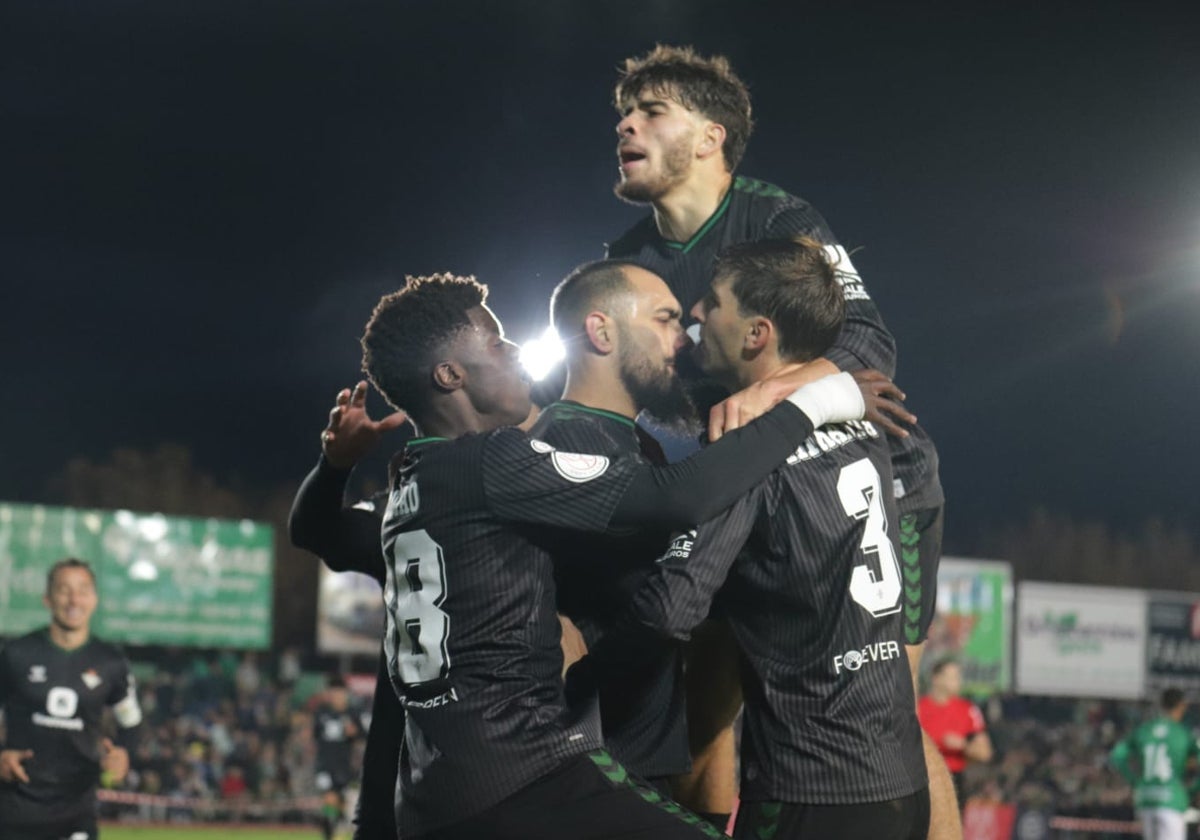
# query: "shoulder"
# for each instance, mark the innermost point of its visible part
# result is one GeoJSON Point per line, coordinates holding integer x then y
{"type": "Point", "coordinates": [633, 240]}
{"type": "Point", "coordinates": [575, 427]}
{"type": "Point", "coordinates": [32, 641]}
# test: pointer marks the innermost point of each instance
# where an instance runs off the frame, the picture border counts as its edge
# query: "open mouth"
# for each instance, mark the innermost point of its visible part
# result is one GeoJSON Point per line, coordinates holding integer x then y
{"type": "Point", "coordinates": [629, 157]}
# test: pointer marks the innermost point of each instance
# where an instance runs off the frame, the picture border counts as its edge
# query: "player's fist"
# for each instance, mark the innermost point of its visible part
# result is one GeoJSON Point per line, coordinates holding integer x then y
{"type": "Point", "coordinates": [11, 768]}
{"type": "Point", "coordinates": [114, 762]}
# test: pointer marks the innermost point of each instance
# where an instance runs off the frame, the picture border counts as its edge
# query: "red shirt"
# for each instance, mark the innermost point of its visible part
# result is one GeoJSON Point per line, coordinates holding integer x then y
{"type": "Point", "coordinates": [957, 716]}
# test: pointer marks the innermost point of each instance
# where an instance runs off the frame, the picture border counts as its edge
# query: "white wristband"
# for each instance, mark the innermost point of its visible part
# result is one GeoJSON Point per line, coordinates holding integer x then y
{"type": "Point", "coordinates": [831, 399]}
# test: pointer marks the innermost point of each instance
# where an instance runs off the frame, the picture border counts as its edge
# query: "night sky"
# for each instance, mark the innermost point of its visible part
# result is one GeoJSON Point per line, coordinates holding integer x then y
{"type": "Point", "coordinates": [201, 202]}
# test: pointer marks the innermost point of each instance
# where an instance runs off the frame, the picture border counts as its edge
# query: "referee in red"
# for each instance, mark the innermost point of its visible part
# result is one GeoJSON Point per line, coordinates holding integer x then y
{"type": "Point", "coordinates": [953, 722]}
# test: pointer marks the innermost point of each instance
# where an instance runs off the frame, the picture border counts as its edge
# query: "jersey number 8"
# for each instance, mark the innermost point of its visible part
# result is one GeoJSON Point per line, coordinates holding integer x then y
{"type": "Point", "coordinates": [416, 626]}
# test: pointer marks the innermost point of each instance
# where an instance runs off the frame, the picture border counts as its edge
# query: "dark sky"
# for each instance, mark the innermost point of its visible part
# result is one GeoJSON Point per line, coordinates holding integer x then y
{"type": "Point", "coordinates": [200, 202]}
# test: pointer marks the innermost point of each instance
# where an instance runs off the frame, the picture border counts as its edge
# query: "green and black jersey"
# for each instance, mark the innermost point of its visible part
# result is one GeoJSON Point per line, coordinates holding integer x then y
{"type": "Point", "coordinates": [754, 210]}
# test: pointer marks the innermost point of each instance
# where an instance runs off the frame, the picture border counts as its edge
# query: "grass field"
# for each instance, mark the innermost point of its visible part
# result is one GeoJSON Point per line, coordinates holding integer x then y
{"type": "Point", "coordinates": [111, 831]}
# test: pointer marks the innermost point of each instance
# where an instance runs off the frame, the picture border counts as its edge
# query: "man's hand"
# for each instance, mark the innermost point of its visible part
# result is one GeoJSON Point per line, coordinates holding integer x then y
{"type": "Point", "coordinates": [114, 762]}
{"type": "Point", "coordinates": [953, 741]}
{"type": "Point", "coordinates": [882, 397]}
{"type": "Point", "coordinates": [573, 646]}
{"type": "Point", "coordinates": [11, 769]}
{"type": "Point", "coordinates": [351, 432]}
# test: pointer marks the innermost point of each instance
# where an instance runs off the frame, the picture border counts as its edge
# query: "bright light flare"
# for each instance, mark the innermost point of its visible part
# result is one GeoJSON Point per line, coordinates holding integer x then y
{"type": "Point", "coordinates": [539, 356]}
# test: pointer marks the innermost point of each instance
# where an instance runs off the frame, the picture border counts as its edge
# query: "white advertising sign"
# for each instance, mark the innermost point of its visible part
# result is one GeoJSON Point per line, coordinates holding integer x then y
{"type": "Point", "coordinates": [1080, 641]}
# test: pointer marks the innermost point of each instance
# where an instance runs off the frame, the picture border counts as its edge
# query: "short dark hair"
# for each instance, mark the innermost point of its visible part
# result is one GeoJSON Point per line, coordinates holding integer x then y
{"type": "Point", "coordinates": [792, 282]}
{"type": "Point", "coordinates": [941, 665]}
{"type": "Point", "coordinates": [68, 563]}
{"type": "Point", "coordinates": [1171, 699]}
{"type": "Point", "coordinates": [409, 329]}
{"type": "Point", "coordinates": [593, 285]}
{"type": "Point", "coordinates": [707, 85]}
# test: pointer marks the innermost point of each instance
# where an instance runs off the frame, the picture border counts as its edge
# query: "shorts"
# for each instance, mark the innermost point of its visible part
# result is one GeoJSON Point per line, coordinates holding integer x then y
{"type": "Point", "coordinates": [906, 818]}
{"type": "Point", "coordinates": [920, 556]}
{"type": "Point", "coordinates": [589, 797]}
{"type": "Point", "coordinates": [80, 828]}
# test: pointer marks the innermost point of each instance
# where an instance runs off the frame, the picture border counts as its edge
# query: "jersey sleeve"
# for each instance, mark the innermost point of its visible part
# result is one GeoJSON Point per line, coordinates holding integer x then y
{"type": "Point", "coordinates": [975, 722]}
{"type": "Point", "coordinates": [677, 596]}
{"type": "Point", "coordinates": [864, 341]}
{"type": "Point", "coordinates": [5, 688]}
{"type": "Point", "coordinates": [1120, 760]}
{"type": "Point", "coordinates": [346, 539]}
{"type": "Point", "coordinates": [529, 480]}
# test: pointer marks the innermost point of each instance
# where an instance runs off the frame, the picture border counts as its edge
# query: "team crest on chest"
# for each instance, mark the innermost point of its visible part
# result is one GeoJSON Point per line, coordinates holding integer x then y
{"type": "Point", "coordinates": [573, 466]}
{"type": "Point", "coordinates": [90, 678]}
{"type": "Point", "coordinates": [37, 673]}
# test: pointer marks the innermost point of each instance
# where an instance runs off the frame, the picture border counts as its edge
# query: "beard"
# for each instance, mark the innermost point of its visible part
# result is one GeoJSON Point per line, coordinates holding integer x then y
{"type": "Point", "coordinates": [658, 392]}
{"type": "Point", "coordinates": [653, 186]}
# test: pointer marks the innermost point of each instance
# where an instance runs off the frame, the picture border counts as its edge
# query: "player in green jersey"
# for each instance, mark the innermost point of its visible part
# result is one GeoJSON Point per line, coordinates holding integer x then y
{"type": "Point", "coordinates": [1160, 750]}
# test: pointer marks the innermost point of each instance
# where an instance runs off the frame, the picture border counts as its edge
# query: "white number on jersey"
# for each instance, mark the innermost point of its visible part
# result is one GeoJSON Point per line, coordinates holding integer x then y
{"type": "Point", "coordinates": [859, 490]}
{"type": "Point", "coordinates": [417, 628]}
{"type": "Point", "coordinates": [1156, 763]}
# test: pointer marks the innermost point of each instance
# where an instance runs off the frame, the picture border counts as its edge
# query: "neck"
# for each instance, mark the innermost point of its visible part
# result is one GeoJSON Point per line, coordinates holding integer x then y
{"type": "Point", "coordinates": [66, 638]}
{"type": "Point", "coordinates": [453, 418]}
{"type": "Point", "coordinates": [764, 365]}
{"type": "Point", "coordinates": [599, 386]}
{"type": "Point", "coordinates": [939, 695]}
{"type": "Point", "coordinates": [686, 207]}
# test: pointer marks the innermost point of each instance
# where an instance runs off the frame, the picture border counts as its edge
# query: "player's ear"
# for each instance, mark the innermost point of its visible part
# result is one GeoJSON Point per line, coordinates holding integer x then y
{"type": "Point", "coordinates": [758, 333]}
{"type": "Point", "coordinates": [712, 140]}
{"type": "Point", "coordinates": [448, 375]}
{"type": "Point", "coordinates": [601, 332]}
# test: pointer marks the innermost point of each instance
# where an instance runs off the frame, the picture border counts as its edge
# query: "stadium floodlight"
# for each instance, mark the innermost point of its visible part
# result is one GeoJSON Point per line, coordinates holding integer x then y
{"type": "Point", "coordinates": [539, 356]}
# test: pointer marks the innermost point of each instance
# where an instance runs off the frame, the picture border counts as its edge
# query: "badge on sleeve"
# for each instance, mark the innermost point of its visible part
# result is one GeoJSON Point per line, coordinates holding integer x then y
{"type": "Point", "coordinates": [573, 466]}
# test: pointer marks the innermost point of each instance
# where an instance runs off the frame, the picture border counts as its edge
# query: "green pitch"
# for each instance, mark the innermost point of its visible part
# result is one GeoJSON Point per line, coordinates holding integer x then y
{"type": "Point", "coordinates": [123, 832]}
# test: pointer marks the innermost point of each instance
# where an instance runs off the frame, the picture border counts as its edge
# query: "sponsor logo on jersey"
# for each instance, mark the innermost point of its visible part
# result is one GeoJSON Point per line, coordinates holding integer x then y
{"type": "Point", "coordinates": [576, 467]}
{"type": "Point", "coordinates": [853, 660]}
{"type": "Point", "coordinates": [90, 678]}
{"type": "Point", "coordinates": [681, 547]}
{"type": "Point", "coordinates": [443, 699]}
{"type": "Point", "coordinates": [74, 724]}
{"type": "Point", "coordinates": [847, 275]}
{"type": "Point", "coordinates": [37, 673]}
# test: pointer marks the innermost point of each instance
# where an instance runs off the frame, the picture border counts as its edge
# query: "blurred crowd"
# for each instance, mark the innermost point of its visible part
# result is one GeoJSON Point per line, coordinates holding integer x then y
{"type": "Point", "coordinates": [225, 729]}
{"type": "Point", "coordinates": [1052, 755]}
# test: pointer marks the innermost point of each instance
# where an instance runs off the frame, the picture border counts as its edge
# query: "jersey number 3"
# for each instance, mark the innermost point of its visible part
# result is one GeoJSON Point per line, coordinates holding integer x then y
{"type": "Point", "coordinates": [859, 490]}
{"type": "Point", "coordinates": [416, 626]}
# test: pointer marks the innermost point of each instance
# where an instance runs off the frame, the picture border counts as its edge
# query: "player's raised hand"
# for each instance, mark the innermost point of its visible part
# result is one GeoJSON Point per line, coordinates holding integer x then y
{"type": "Point", "coordinates": [11, 767]}
{"type": "Point", "coordinates": [114, 762]}
{"type": "Point", "coordinates": [882, 398]}
{"type": "Point", "coordinates": [351, 433]}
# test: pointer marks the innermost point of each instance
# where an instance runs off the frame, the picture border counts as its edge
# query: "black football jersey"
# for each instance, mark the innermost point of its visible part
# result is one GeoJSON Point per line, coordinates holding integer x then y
{"type": "Point", "coordinates": [754, 210]}
{"type": "Point", "coordinates": [810, 582]}
{"type": "Point", "coordinates": [472, 637]}
{"type": "Point", "coordinates": [53, 702]}
{"type": "Point", "coordinates": [642, 711]}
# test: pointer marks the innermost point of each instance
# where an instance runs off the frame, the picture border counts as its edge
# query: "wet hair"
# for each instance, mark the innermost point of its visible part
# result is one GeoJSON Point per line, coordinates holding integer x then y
{"type": "Point", "coordinates": [791, 282]}
{"type": "Point", "coordinates": [408, 331]}
{"type": "Point", "coordinates": [68, 563]}
{"type": "Point", "coordinates": [591, 286]}
{"type": "Point", "coordinates": [703, 84]}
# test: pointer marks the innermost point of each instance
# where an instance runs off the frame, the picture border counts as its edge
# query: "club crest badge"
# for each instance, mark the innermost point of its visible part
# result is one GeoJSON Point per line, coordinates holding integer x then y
{"type": "Point", "coordinates": [90, 678]}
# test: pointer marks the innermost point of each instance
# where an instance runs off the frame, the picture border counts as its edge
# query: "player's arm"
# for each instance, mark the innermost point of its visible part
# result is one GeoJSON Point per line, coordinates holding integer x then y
{"type": "Point", "coordinates": [1120, 761]}
{"type": "Point", "coordinates": [114, 755]}
{"type": "Point", "coordinates": [979, 744]}
{"type": "Point", "coordinates": [727, 470]}
{"type": "Point", "coordinates": [864, 341]}
{"type": "Point", "coordinates": [12, 768]}
{"type": "Point", "coordinates": [347, 539]}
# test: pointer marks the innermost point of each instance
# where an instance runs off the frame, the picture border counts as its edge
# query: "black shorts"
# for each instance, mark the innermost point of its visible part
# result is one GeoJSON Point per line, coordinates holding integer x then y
{"type": "Point", "coordinates": [920, 555]}
{"type": "Point", "coordinates": [590, 797]}
{"type": "Point", "coordinates": [896, 819]}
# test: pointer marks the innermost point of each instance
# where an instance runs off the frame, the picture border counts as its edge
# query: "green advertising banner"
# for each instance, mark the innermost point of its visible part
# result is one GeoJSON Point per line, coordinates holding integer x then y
{"type": "Point", "coordinates": [165, 580]}
{"type": "Point", "coordinates": [973, 623]}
